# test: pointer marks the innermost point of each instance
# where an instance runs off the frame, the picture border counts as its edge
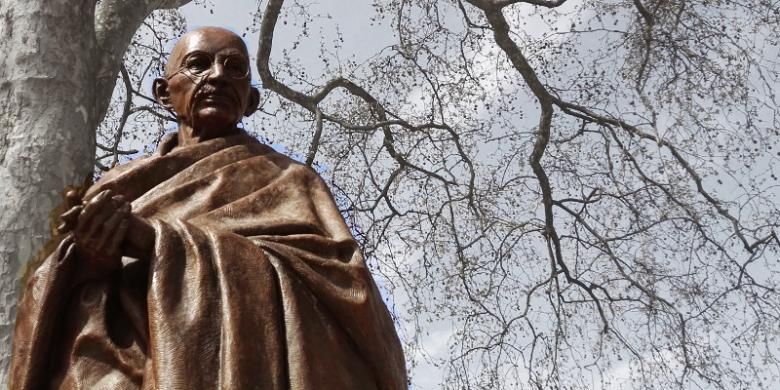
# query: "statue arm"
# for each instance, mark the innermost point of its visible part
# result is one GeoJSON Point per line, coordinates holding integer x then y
{"type": "Point", "coordinates": [39, 314]}
{"type": "Point", "coordinates": [80, 257]}
{"type": "Point", "coordinates": [104, 229]}
{"type": "Point", "coordinates": [140, 242]}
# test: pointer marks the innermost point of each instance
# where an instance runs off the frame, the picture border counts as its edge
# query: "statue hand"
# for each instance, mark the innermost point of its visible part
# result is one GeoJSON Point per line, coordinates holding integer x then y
{"type": "Point", "coordinates": [140, 240]}
{"type": "Point", "coordinates": [69, 218]}
{"type": "Point", "coordinates": [104, 229]}
{"type": "Point", "coordinates": [99, 227]}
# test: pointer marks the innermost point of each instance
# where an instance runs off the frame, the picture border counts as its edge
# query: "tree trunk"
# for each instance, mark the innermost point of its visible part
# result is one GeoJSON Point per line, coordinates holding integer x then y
{"type": "Point", "coordinates": [48, 130]}
{"type": "Point", "coordinates": [57, 70]}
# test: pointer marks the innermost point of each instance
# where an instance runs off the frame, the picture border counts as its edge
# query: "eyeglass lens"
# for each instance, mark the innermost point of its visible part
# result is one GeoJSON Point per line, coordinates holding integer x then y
{"type": "Point", "coordinates": [199, 64]}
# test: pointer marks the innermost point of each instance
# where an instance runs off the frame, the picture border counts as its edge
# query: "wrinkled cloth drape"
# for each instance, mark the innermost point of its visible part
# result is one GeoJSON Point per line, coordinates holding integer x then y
{"type": "Point", "coordinates": [255, 283]}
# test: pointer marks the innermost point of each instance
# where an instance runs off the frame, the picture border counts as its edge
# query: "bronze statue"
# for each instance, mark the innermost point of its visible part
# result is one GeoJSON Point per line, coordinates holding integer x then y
{"type": "Point", "coordinates": [217, 263]}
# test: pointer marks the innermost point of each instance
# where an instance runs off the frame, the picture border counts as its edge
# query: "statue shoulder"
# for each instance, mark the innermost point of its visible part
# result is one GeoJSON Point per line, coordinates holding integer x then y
{"type": "Point", "coordinates": [287, 163]}
{"type": "Point", "coordinates": [113, 173]}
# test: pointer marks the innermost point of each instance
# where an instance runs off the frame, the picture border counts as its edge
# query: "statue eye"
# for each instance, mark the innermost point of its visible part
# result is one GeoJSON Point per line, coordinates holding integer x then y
{"type": "Point", "coordinates": [236, 67]}
{"type": "Point", "coordinates": [198, 63]}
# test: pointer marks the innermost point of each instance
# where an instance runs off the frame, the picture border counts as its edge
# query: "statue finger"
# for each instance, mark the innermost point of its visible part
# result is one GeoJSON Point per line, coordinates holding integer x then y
{"type": "Point", "coordinates": [116, 240]}
{"type": "Point", "coordinates": [69, 219]}
{"type": "Point", "coordinates": [109, 229]}
{"type": "Point", "coordinates": [72, 214]}
{"type": "Point", "coordinates": [66, 248]}
{"type": "Point", "coordinates": [65, 243]}
{"type": "Point", "coordinates": [72, 198]}
{"type": "Point", "coordinates": [70, 249]}
{"type": "Point", "coordinates": [104, 222]}
{"type": "Point", "coordinates": [63, 228]}
{"type": "Point", "coordinates": [91, 209]}
{"type": "Point", "coordinates": [99, 197]}
{"type": "Point", "coordinates": [120, 201]}
{"type": "Point", "coordinates": [119, 198]}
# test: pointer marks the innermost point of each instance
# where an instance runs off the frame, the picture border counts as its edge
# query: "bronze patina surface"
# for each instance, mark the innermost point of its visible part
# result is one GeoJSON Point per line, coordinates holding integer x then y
{"type": "Point", "coordinates": [217, 263]}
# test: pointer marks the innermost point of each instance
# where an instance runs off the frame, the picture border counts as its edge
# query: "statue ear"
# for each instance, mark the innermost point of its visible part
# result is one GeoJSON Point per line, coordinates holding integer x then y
{"type": "Point", "coordinates": [254, 101]}
{"type": "Point", "coordinates": [161, 93]}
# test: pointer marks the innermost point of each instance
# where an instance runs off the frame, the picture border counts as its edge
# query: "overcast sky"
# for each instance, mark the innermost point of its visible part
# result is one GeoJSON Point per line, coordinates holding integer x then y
{"type": "Point", "coordinates": [361, 39]}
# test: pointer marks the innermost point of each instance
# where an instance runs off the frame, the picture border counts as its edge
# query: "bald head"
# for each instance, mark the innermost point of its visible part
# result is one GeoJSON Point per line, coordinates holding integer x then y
{"type": "Point", "coordinates": [207, 84]}
{"type": "Point", "coordinates": [217, 37]}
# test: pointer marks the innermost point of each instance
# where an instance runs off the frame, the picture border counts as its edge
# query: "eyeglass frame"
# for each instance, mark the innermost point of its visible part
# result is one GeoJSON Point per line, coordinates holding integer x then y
{"type": "Point", "coordinates": [187, 71]}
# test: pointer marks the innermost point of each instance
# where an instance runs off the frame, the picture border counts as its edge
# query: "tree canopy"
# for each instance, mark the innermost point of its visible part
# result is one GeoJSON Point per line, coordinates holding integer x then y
{"type": "Point", "coordinates": [569, 194]}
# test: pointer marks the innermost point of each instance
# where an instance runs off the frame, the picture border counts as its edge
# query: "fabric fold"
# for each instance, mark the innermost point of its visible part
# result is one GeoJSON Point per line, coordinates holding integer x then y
{"type": "Point", "coordinates": [255, 283]}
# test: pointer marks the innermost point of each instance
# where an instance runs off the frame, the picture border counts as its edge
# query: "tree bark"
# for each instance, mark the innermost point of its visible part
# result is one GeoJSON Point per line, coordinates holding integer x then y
{"type": "Point", "coordinates": [58, 68]}
{"type": "Point", "coordinates": [48, 136]}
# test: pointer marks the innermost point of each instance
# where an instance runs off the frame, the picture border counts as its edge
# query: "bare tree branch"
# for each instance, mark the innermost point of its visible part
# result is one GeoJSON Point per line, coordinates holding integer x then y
{"type": "Point", "coordinates": [315, 141]}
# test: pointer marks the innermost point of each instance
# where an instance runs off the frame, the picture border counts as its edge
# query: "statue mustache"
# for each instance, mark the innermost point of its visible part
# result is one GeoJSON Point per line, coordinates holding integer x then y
{"type": "Point", "coordinates": [204, 89]}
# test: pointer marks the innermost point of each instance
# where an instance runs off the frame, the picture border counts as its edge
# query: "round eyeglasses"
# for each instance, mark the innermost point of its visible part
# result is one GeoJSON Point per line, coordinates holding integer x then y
{"type": "Point", "coordinates": [201, 64]}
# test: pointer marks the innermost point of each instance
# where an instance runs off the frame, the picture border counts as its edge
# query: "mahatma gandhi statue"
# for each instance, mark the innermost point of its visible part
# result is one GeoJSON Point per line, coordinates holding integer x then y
{"type": "Point", "coordinates": [216, 263]}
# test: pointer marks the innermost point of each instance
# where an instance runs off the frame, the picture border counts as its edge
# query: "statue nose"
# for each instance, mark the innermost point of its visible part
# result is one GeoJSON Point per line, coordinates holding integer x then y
{"type": "Point", "coordinates": [217, 70]}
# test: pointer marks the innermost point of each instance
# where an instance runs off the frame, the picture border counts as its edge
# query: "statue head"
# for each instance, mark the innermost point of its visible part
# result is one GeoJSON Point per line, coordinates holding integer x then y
{"type": "Point", "coordinates": [207, 82]}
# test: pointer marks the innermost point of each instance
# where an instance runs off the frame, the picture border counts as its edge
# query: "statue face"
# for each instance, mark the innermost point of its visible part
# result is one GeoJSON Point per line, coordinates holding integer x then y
{"type": "Point", "coordinates": [207, 82]}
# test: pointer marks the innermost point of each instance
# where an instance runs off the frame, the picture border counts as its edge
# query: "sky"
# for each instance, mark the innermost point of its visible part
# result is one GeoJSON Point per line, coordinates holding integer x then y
{"type": "Point", "coordinates": [361, 39]}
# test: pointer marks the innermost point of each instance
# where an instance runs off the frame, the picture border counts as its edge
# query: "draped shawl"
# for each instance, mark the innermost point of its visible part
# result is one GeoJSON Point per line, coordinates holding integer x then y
{"type": "Point", "coordinates": [255, 282]}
